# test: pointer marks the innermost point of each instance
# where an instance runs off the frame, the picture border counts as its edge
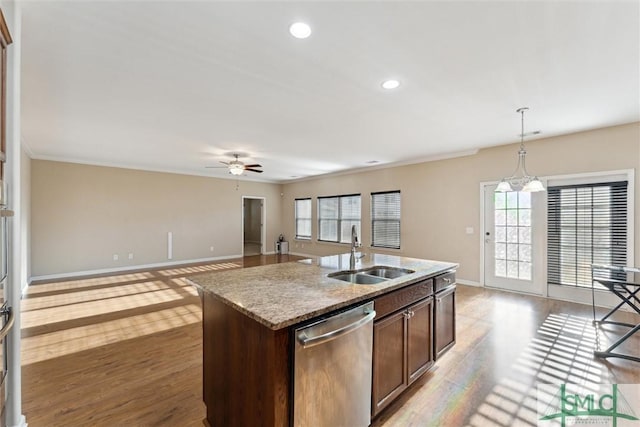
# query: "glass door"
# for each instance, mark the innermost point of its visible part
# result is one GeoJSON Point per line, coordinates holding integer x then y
{"type": "Point", "coordinates": [509, 244]}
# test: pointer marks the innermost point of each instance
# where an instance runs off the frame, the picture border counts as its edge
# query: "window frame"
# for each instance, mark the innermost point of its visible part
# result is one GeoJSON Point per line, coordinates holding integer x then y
{"type": "Point", "coordinates": [373, 220]}
{"type": "Point", "coordinates": [339, 219]}
{"type": "Point", "coordinates": [299, 236]}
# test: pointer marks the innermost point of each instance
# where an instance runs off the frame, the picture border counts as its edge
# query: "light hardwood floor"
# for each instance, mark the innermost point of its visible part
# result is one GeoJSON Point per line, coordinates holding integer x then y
{"type": "Point", "coordinates": [126, 350]}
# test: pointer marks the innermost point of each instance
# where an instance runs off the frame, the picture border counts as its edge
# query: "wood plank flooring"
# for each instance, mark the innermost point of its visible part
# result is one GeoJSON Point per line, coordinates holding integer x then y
{"type": "Point", "coordinates": [122, 350]}
{"type": "Point", "coordinates": [126, 350]}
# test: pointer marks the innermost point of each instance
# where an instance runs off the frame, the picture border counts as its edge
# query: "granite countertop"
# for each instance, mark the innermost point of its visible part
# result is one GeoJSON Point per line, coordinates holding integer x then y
{"type": "Point", "coordinates": [281, 295]}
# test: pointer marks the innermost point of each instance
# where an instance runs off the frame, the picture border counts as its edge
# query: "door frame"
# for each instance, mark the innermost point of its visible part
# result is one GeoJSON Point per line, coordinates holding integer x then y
{"type": "Point", "coordinates": [263, 219]}
{"type": "Point", "coordinates": [539, 269]}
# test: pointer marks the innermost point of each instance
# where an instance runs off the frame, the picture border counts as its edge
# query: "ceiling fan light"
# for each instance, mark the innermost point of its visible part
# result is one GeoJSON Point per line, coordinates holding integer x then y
{"type": "Point", "coordinates": [236, 169]}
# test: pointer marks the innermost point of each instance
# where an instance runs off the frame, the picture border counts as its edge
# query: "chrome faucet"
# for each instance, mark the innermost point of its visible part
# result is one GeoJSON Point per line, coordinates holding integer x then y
{"type": "Point", "coordinates": [354, 240]}
{"type": "Point", "coordinates": [354, 245]}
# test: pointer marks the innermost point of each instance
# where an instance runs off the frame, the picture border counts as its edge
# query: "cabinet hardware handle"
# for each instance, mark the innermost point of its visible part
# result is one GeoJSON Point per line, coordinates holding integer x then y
{"type": "Point", "coordinates": [8, 324]}
{"type": "Point", "coordinates": [446, 280]}
{"type": "Point", "coordinates": [413, 313]}
{"type": "Point", "coordinates": [320, 339]}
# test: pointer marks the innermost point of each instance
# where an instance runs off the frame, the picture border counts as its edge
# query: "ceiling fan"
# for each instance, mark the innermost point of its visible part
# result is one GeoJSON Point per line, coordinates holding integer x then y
{"type": "Point", "coordinates": [236, 167]}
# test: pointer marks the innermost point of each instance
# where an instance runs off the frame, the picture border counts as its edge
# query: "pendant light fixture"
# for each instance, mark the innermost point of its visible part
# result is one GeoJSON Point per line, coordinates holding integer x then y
{"type": "Point", "coordinates": [521, 180]}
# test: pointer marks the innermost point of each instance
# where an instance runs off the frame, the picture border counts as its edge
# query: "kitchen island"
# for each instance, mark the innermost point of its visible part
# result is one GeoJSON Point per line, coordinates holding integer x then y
{"type": "Point", "coordinates": [249, 315]}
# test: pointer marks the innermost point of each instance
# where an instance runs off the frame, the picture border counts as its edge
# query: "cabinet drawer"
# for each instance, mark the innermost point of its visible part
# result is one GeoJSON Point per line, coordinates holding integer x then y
{"type": "Point", "coordinates": [445, 280]}
{"type": "Point", "coordinates": [396, 300]}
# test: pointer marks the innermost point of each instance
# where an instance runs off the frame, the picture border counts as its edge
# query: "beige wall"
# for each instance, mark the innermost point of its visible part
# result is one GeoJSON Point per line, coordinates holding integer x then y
{"type": "Point", "coordinates": [82, 215]}
{"type": "Point", "coordinates": [441, 198]}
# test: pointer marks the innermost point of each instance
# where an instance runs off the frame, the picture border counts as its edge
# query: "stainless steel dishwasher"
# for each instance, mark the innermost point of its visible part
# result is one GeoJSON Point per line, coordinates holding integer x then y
{"type": "Point", "coordinates": [332, 370]}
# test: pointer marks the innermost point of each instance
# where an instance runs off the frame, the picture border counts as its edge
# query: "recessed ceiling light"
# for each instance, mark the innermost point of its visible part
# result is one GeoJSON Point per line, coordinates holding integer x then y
{"type": "Point", "coordinates": [390, 84]}
{"type": "Point", "coordinates": [300, 30]}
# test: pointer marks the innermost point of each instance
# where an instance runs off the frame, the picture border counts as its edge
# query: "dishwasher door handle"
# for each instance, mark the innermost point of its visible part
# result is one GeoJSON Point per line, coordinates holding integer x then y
{"type": "Point", "coordinates": [320, 339]}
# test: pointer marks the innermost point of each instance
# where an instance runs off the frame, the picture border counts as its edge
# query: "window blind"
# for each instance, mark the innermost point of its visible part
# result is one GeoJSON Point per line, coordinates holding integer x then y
{"type": "Point", "coordinates": [303, 218]}
{"type": "Point", "coordinates": [587, 224]}
{"type": "Point", "coordinates": [385, 219]}
{"type": "Point", "coordinates": [336, 215]}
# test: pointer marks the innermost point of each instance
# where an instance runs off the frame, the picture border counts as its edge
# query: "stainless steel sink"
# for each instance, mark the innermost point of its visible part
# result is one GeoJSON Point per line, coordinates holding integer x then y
{"type": "Point", "coordinates": [388, 272]}
{"type": "Point", "coordinates": [358, 278]}
{"type": "Point", "coordinates": [371, 275]}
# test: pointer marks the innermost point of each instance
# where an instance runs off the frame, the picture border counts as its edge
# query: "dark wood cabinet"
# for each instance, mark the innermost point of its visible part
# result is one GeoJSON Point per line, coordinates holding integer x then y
{"type": "Point", "coordinates": [389, 361]}
{"type": "Point", "coordinates": [246, 368]}
{"type": "Point", "coordinates": [419, 339]}
{"type": "Point", "coordinates": [402, 342]}
{"type": "Point", "coordinates": [444, 320]}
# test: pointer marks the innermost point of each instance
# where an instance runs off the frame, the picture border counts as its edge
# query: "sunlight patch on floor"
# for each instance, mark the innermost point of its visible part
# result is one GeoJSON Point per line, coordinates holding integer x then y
{"type": "Point", "coordinates": [81, 305]}
{"type": "Point", "coordinates": [87, 283]}
{"type": "Point", "coordinates": [198, 269]}
{"type": "Point", "coordinates": [60, 343]}
{"type": "Point", "coordinates": [560, 352]}
{"type": "Point", "coordinates": [58, 300]}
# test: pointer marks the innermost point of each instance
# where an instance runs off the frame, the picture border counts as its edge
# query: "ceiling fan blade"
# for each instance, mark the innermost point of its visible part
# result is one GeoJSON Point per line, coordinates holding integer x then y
{"type": "Point", "coordinates": [252, 166]}
{"type": "Point", "coordinates": [216, 167]}
{"type": "Point", "coordinates": [253, 170]}
{"type": "Point", "coordinates": [224, 163]}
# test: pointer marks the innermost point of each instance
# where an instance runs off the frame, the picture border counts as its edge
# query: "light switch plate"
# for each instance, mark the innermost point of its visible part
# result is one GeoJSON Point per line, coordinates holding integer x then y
{"type": "Point", "coordinates": [469, 230]}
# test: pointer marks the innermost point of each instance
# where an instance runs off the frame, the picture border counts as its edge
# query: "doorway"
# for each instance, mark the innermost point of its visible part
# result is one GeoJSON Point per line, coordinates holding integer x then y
{"type": "Point", "coordinates": [512, 242]}
{"type": "Point", "coordinates": [252, 225]}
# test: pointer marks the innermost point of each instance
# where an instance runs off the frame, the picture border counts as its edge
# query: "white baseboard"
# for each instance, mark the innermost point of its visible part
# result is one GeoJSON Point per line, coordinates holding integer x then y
{"type": "Point", "coordinates": [303, 255]}
{"type": "Point", "coordinates": [579, 295]}
{"type": "Point", "coordinates": [22, 422]}
{"type": "Point", "coordinates": [129, 268]}
{"type": "Point", "coordinates": [469, 283]}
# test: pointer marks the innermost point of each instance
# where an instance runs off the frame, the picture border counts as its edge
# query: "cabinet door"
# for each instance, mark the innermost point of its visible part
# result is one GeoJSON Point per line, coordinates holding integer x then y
{"type": "Point", "coordinates": [419, 343]}
{"type": "Point", "coordinates": [389, 361]}
{"type": "Point", "coordinates": [445, 321]}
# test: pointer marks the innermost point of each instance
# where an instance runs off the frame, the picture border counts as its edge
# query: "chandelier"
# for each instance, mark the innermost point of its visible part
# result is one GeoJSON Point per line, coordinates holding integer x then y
{"type": "Point", "coordinates": [520, 180]}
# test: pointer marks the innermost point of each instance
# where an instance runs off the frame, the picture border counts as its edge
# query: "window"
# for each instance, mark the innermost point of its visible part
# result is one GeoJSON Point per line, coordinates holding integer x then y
{"type": "Point", "coordinates": [303, 219]}
{"type": "Point", "coordinates": [336, 215]}
{"type": "Point", "coordinates": [513, 242]}
{"type": "Point", "coordinates": [385, 219]}
{"type": "Point", "coordinates": [587, 224]}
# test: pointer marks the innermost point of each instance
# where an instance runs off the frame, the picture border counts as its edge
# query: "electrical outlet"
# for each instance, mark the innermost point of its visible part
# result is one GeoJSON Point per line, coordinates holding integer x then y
{"type": "Point", "coordinates": [211, 249]}
{"type": "Point", "coordinates": [469, 230]}
{"type": "Point", "coordinates": [115, 257]}
{"type": "Point", "coordinates": [130, 255]}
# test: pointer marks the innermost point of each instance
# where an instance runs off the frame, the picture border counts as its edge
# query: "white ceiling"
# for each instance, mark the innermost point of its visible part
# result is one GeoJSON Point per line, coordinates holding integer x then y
{"type": "Point", "coordinates": [174, 86]}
